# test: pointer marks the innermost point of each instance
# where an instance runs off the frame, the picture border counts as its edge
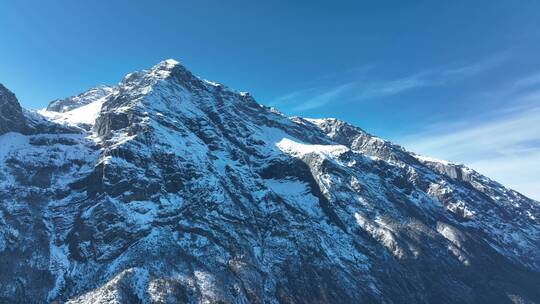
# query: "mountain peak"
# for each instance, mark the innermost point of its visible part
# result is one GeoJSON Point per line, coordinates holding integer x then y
{"type": "Point", "coordinates": [168, 63]}
{"type": "Point", "coordinates": [166, 67]}
{"type": "Point", "coordinates": [163, 70]}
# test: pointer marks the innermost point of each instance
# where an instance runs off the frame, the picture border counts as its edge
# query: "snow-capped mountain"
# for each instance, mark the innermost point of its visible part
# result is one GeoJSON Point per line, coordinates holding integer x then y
{"type": "Point", "coordinates": [168, 188]}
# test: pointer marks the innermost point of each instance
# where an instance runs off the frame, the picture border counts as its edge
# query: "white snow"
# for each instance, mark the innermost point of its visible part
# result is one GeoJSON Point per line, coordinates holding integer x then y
{"type": "Point", "coordinates": [317, 121]}
{"type": "Point", "coordinates": [170, 62]}
{"type": "Point", "coordinates": [212, 83]}
{"type": "Point", "coordinates": [86, 114]}
{"type": "Point", "coordinates": [382, 232]}
{"type": "Point", "coordinates": [456, 238]}
{"type": "Point", "coordinates": [295, 193]}
{"type": "Point", "coordinates": [423, 158]}
{"type": "Point", "coordinates": [298, 149]}
{"type": "Point", "coordinates": [10, 142]}
{"type": "Point", "coordinates": [163, 69]}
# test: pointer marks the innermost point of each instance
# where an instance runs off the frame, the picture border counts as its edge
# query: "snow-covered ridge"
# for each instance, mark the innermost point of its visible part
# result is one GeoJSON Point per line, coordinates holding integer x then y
{"type": "Point", "coordinates": [424, 158]}
{"type": "Point", "coordinates": [85, 114]}
{"type": "Point", "coordinates": [295, 148]}
{"type": "Point", "coordinates": [74, 102]}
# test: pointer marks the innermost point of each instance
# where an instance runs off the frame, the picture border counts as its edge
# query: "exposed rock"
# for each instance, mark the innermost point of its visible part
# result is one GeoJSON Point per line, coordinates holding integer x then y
{"type": "Point", "coordinates": [11, 115]}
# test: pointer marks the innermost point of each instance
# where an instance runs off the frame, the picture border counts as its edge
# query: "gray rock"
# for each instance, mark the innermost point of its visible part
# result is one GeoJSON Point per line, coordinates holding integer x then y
{"type": "Point", "coordinates": [11, 116]}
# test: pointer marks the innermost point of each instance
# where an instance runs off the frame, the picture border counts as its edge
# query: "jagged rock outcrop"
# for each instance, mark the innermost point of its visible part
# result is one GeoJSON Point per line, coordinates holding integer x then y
{"type": "Point", "coordinates": [176, 189]}
{"type": "Point", "coordinates": [11, 115]}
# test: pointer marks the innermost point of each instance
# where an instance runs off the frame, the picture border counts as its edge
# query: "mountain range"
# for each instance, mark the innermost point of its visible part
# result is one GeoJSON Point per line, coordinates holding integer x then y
{"type": "Point", "coordinates": [168, 188]}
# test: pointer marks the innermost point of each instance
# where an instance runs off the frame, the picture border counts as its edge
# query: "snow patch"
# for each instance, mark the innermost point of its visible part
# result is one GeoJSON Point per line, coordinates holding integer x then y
{"type": "Point", "coordinates": [423, 158]}
{"type": "Point", "coordinates": [86, 114]}
{"type": "Point", "coordinates": [299, 149]}
{"type": "Point", "coordinates": [295, 193]}
{"type": "Point", "coordinates": [10, 142]}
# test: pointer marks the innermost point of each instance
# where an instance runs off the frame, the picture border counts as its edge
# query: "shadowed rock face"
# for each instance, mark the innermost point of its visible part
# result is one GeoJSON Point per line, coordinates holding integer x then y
{"type": "Point", "coordinates": [11, 116]}
{"type": "Point", "coordinates": [185, 191]}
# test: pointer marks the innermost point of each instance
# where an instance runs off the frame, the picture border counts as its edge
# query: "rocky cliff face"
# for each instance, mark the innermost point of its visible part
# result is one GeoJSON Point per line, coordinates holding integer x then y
{"type": "Point", "coordinates": [11, 115]}
{"type": "Point", "coordinates": [175, 189]}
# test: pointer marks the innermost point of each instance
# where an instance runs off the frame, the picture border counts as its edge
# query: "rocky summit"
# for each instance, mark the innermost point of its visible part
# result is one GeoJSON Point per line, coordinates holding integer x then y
{"type": "Point", "coordinates": [168, 188]}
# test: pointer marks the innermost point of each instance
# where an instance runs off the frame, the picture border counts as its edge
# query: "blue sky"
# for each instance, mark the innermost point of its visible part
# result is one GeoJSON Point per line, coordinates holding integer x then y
{"type": "Point", "coordinates": [457, 80]}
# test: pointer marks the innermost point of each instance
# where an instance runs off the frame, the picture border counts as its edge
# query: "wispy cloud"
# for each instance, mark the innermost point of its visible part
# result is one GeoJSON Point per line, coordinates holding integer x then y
{"type": "Point", "coordinates": [382, 89]}
{"type": "Point", "coordinates": [479, 140]}
{"type": "Point", "coordinates": [503, 144]}
{"type": "Point", "coordinates": [474, 68]}
{"type": "Point", "coordinates": [505, 147]}
{"type": "Point", "coordinates": [531, 80]}
{"type": "Point", "coordinates": [325, 97]}
{"type": "Point", "coordinates": [362, 89]}
{"type": "Point", "coordinates": [316, 97]}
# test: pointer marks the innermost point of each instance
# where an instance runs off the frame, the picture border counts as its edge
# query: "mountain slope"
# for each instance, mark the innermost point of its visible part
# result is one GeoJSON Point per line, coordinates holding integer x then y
{"type": "Point", "coordinates": [183, 190]}
{"type": "Point", "coordinates": [74, 102]}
